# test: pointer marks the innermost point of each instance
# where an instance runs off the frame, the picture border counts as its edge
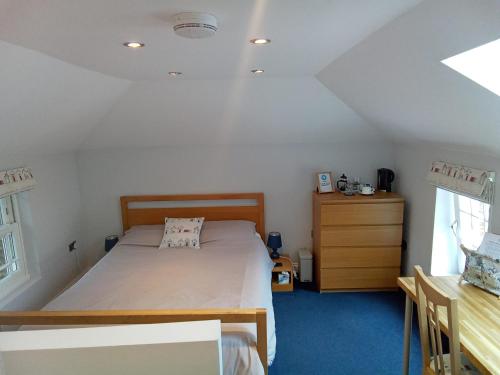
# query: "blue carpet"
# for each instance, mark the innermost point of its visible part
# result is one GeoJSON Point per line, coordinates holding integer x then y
{"type": "Point", "coordinates": [341, 333]}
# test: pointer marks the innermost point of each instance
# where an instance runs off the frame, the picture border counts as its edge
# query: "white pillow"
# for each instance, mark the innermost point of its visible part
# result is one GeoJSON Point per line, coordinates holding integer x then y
{"type": "Point", "coordinates": [143, 237]}
{"type": "Point", "coordinates": [227, 230]}
{"type": "Point", "coordinates": [182, 232]}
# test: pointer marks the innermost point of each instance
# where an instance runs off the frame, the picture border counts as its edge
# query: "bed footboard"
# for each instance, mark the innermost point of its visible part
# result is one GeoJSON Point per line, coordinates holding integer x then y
{"type": "Point", "coordinates": [106, 317]}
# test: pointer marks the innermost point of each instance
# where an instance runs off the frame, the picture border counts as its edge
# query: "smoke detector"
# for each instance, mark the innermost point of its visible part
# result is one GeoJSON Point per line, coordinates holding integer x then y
{"type": "Point", "coordinates": [195, 25]}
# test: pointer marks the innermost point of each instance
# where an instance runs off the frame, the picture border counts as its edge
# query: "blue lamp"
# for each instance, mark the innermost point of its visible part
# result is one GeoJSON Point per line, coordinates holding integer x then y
{"type": "Point", "coordinates": [110, 242]}
{"type": "Point", "coordinates": [274, 242]}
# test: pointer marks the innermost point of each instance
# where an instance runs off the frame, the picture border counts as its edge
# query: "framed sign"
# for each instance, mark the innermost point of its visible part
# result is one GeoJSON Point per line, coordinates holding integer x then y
{"type": "Point", "coordinates": [324, 180]}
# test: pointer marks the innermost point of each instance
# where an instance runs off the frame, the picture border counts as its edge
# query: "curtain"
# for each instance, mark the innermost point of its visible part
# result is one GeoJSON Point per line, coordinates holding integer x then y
{"type": "Point", "coordinates": [16, 180]}
{"type": "Point", "coordinates": [474, 183]}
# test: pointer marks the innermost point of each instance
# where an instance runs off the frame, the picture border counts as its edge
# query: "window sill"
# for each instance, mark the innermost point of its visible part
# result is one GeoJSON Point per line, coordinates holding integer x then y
{"type": "Point", "coordinates": [22, 286]}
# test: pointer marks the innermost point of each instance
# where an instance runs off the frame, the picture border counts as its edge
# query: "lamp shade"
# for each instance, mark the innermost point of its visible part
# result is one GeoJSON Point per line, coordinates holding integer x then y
{"type": "Point", "coordinates": [110, 242]}
{"type": "Point", "coordinates": [274, 240]}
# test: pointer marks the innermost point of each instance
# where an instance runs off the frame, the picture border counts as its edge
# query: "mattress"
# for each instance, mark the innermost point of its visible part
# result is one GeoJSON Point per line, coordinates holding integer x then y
{"type": "Point", "coordinates": [232, 269]}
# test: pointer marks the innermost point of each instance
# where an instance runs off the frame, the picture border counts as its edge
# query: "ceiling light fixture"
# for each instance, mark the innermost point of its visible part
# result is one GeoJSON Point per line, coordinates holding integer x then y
{"type": "Point", "coordinates": [173, 74]}
{"type": "Point", "coordinates": [260, 41]}
{"type": "Point", "coordinates": [257, 71]}
{"type": "Point", "coordinates": [133, 44]}
{"type": "Point", "coordinates": [479, 64]}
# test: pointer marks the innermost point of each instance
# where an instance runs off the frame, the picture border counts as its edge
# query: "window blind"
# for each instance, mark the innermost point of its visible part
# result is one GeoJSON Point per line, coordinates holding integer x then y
{"type": "Point", "coordinates": [16, 180]}
{"type": "Point", "coordinates": [472, 182]}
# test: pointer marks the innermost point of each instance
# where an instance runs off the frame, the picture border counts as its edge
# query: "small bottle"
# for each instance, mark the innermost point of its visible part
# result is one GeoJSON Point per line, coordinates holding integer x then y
{"type": "Point", "coordinates": [355, 185]}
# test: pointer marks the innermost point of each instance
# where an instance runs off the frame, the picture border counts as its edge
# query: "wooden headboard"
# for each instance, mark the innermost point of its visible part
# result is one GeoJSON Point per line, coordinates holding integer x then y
{"type": "Point", "coordinates": [156, 215]}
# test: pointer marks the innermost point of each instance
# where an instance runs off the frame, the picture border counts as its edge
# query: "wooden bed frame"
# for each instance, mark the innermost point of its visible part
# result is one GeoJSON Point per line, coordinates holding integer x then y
{"type": "Point", "coordinates": [156, 215]}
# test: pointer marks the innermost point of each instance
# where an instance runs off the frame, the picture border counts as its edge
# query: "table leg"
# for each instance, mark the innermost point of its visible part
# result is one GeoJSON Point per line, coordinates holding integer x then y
{"type": "Point", "coordinates": [407, 334]}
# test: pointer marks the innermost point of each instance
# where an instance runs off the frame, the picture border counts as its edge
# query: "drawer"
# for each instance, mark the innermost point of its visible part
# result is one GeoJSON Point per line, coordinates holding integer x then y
{"type": "Point", "coordinates": [359, 278]}
{"type": "Point", "coordinates": [361, 236]}
{"type": "Point", "coordinates": [360, 256]}
{"type": "Point", "coordinates": [362, 214]}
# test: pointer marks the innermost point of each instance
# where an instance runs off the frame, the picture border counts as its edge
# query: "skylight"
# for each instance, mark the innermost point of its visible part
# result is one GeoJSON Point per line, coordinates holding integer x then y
{"type": "Point", "coordinates": [481, 64]}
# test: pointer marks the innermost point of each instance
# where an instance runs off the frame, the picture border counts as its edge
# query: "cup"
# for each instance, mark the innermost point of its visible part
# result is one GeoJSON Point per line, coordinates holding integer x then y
{"type": "Point", "coordinates": [367, 190]}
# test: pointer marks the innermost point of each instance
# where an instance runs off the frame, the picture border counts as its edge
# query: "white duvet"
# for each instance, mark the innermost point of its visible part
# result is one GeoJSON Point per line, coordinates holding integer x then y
{"type": "Point", "coordinates": [233, 272]}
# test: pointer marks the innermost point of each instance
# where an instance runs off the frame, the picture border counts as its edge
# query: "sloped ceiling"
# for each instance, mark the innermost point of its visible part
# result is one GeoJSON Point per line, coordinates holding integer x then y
{"type": "Point", "coordinates": [238, 111]}
{"type": "Point", "coordinates": [395, 79]}
{"type": "Point", "coordinates": [48, 106]}
{"type": "Point", "coordinates": [75, 91]}
{"type": "Point", "coordinates": [69, 84]}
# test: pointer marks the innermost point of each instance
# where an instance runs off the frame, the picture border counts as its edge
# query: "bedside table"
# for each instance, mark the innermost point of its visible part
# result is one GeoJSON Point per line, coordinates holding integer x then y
{"type": "Point", "coordinates": [286, 266]}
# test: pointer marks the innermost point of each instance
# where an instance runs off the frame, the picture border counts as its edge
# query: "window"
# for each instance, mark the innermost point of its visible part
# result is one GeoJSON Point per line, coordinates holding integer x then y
{"type": "Point", "coordinates": [472, 219]}
{"type": "Point", "coordinates": [13, 271]}
{"type": "Point", "coordinates": [458, 220]}
{"type": "Point", "coordinates": [480, 65]}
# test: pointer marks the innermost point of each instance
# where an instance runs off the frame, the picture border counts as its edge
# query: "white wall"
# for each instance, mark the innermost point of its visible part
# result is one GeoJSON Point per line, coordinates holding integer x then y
{"type": "Point", "coordinates": [50, 221]}
{"type": "Point", "coordinates": [412, 163]}
{"type": "Point", "coordinates": [52, 217]}
{"type": "Point", "coordinates": [284, 173]}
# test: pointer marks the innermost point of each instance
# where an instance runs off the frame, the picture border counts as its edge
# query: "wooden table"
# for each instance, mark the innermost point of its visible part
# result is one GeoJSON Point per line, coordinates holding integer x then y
{"type": "Point", "coordinates": [479, 319]}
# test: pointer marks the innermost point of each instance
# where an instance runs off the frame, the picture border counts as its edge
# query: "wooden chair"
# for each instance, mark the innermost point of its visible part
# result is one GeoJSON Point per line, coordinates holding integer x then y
{"type": "Point", "coordinates": [429, 298]}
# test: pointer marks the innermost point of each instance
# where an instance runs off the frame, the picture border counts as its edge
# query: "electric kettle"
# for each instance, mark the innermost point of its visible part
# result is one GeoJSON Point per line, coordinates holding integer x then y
{"type": "Point", "coordinates": [384, 179]}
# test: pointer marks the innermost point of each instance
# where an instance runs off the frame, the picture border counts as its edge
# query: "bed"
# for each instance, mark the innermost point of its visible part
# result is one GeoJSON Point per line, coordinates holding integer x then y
{"type": "Point", "coordinates": [228, 278]}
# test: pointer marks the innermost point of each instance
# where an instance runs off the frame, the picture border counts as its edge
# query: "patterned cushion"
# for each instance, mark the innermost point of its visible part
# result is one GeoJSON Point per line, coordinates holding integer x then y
{"type": "Point", "coordinates": [482, 271]}
{"type": "Point", "coordinates": [466, 367]}
{"type": "Point", "coordinates": [182, 232]}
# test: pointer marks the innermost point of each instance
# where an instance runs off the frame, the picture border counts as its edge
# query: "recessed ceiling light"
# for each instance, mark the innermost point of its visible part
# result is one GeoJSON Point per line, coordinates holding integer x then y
{"type": "Point", "coordinates": [479, 64]}
{"type": "Point", "coordinates": [257, 71]}
{"type": "Point", "coordinates": [173, 74]}
{"type": "Point", "coordinates": [260, 41]}
{"type": "Point", "coordinates": [133, 44]}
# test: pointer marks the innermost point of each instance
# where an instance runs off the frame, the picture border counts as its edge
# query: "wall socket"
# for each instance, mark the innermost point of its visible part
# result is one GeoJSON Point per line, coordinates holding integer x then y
{"type": "Point", "coordinates": [72, 246]}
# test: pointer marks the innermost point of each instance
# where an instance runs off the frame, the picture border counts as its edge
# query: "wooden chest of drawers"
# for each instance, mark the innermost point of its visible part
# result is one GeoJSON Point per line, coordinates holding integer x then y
{"type": "Point", "coordinates": [357, 240]}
